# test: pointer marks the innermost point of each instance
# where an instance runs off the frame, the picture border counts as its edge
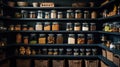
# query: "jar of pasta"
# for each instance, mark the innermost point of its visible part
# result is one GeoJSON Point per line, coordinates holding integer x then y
{"type": "Point", "coordinates": [42, 39]}
{"type": "Point", "coordinates": [47, 26]}
{"type": "Point", "coordinates": [81, 39]}
{"type": "Point", "coordinates": [55, 26]}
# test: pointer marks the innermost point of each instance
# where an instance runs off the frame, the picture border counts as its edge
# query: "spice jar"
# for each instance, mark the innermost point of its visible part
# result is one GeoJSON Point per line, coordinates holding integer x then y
{"type": "Point", "coordinates": [55, 26]}
{"type": "Point", "coordinates": [70, 14]}
{"type": "Point", "coordinates": [50, 51]}
{"type": "Point", "coordinates": [88, 52]}
{"type": "Point", "coordinates": [18, 38]}
{"type": "Point", "coordinates": [85, 27]}
{"type": "Point", "coordinates": [53, 14]}
{"type": "Point", "coordinates": [94, 51]}
{"type": "Point", "coordinates": [28, 51]}
{"type": "Point", "coordinates": [78, 14]}
{"type": "Point", "coordinates": [47, 26]}
{"type": "Point", "coordinates": [69, 51]}
{"type": "Point", "coordinates": [59, 39]}
{"type": "Point", "coordinates": [90, 39]}
{"type": "Point", "coordinates": [60, 15]}
{"type": "Point", "coordinates": [69, 27]}
{"type": "Point", "coordinates": [55, 51]}
{"type": "Point", "coordinates": [81, 39]}
{"type": "Point", "coordinates": [32, 14]}
{"type": "Point", "coordinates": [76, 52]}
{"type": "Point", "coordinates": [42, 39]}
{"type": "Point", "coordinates": [24, 27]}
{"type": "Point", "coordinates": [11, 27]}
{"type": "Point", "coordinates": [39, 14]}
{"type": "Point", "coordinates": [92, 26]}
{"type": "Point", "coordinates": [44, 51]}
{"type": "Point", "coordinates": [77, 27]}
{"type": "Point", "coordinates": [86, 14]}
{"type": "Point", "coordinates": [18, 27]}
{"type": "Point", "coordinates": [24, 14]}
{"type": "Point", "coordinates": [61, 51]}
{"type": "Point", "coordinates": [33, 39]}
{"type": "Point", "coordinates": [82, 51]}
{"type": "Point", "coordinates": [25, 40]}
{"type": "Point", "coordinates": [38, 26]}
{"type": "Point", "coordinates": [47, 15]}
{"type": "Point", "coordinates": [22, 51]}
{"type": "Point", "coordinates": [71, 39]}
{"type": "Point", "coordinates": [51, 39]}
{"type": "Point", "coordinates": [93, 15]}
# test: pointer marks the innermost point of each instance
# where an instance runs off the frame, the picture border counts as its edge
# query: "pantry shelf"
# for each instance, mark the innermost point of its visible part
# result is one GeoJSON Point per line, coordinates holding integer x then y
{"type": "Point", "coordinates": [112, 18]}
{"type": "Point", "coordinates": [110, 33]}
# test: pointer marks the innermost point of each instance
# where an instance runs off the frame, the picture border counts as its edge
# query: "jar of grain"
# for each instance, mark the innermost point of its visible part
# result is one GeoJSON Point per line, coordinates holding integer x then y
{"type": "Point", "coordinates": [25, 40]}
{"type": "Point", "coordinates": [88, 52]}
{"type": "Point", "coordinates": [71, 39]}
{"type": "Point", "coordinates": [18, 27]}
{"type": "Point", "coordinates": [42, 39]}
{"type": "Point", "coordinates": [93, 14]}
{"type": "Point", "coordinates": [18, 38]}
{"type": "Point", "coordinates": [38, 26]}
{"type": "Point", "coordinates": [47, 26]}
{"type": "Point", "coordinates": [55, 26]}
{"type": "Point", "coordinates": [76, 52]}
{"type": "Point", "coordinates": [51, 39]}
{"type": "Point", "coordinates": [32, 14]}
{"type": "Point", "coordinates": [33, 39]}
{"type": "Point", "coordinates": [24, 27]}
{"type": "Point", "coordinates": [47, 15]}
{"type": "Point", "coordinates": [81, 39]}
{"type": "Point", "coordinates": [60, 15]}
{"type": "Point", "coordinates": [92, 26]}
{"type": "Point", "coordinates": [77, 27]}
{"type": "Point", "coordinates": [85, 27]}
{"type": "Point", "coordinates": [70, 14]}
{"type": "Point", "coordinates": [86, 14]}
{"type": "Point", "coordinates": [24, 14]}
{"type": "Point", "coordinates": [59, 39]}
{"type": "Point", "coordinates": [78, 14]}
{"type": "Point", "coordinates": [55, 51]}
{"type": "Point", "coordinates": [53, 14]}
{"type": "Point", "coordinates": [40, 14]}
{"type": "Point", "coordinates": [69, 27]}
{"type": "Point", "coordinates": [69, 51]}
{"type": "Point", "coordinates": [11, 27]}
{"type": "Point", "coordinates": [50, 51]}
{"type": "Point", "coordinates": [90, 39]}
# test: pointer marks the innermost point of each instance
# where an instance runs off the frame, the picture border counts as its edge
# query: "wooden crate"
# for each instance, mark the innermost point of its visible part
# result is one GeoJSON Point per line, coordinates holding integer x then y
{"type": "Point", "coordinates": [116, 60]}
{"type": "Point", "coordinates": [41, 63]}
{"type": "Point", "coordinates": [104, 53]}
{"type": "Point", "coordinates": [58, 63]}
{"type": "Point", "coordinates": [109, 55]}
{"type": "Point", "coordinates": [23, 63]}
{"type": "Point", "coordinates": [75, 63]}
{"type": "Point", "coordinates": [104, 65]}
{"type": "Point", "coordinates": [91, 63]}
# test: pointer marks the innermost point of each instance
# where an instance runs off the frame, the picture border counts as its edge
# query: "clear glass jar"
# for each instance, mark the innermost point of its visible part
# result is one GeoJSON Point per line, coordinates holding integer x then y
{"type": "Point", "coordinates": [50, 51]}
{"type": "Point", "coordinates": [33, 39]}
{"type": "Point", "coordinates": [86, 14]}
{"type": "Point", "coordinates": [55, 26]}
{"type": "Point", "coordinates": [18, 38]}
{"type": "Point", "coordinates": [71, 39]}
{"type": "Point", "coordinates": [26, 40]}
{"type": "Point", "coordinates": [42, 39]}
{"type": "Point", "coordinates": [93, 14]}
{"type": "Point", "coordinates": [85, 27]}
{"type": "Point", "coordinates": [90, 39]}
{"type": "Point", "coordinates": [94, 51]}
{"type": "Point", "coordinates": [69, 51]}
{"type": "Point", "coordinates": [69, 27]}
{"type": "Point", "coordinates": [61, 51]}
{"type": "Point", "coordinates": [47, 26]}
{"type": "Point", "coordinates": [38, 26]}
{"type": "Point", "coordinates": [59, 39]}
{"type": "Point", "coordinates": [92, 26]}
{"type": "Point", "coordinates": [78, 14]}
{"type": "Point", "coordinates": [51, 39]}
{"type": "Point", "coordinates": [32, 14]}
{"type": "Point", "coordinates": [88, 52]}
{"type": "Point", "coordinates": [77, 27]}
{"type": "Point", "coordinates": [40, 14]}
{"type": "Point", "coordinates": [82, 51]}
{"type": "Point", "coordinates": [53, 14]}
{"type": "Point", "coordinates": [24, 27]}
{"type": "Point", "coordinates": [76, 52]}
{"type": "Point", "coordinates": [18, 27]}
{"type": "Point", "coordinates": [44, 51]}
{"type": "Point", "coordinates": [55, 51]}
{"type": "Point", "coordinates": [60, 15]}
{"type": "Point", "coordinates": [81, 39]}
{"type": "Point", "coordinates": [47, 15]}
{"type": "Point", "coordinates": [70, 14]}
{"type": "Point", "coordinates": [24, 14]}
{"type": "Point", "coordinates": [106, 27]}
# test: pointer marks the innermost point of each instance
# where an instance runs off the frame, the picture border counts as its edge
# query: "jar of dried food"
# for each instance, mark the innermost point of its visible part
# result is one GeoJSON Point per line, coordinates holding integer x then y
{"type": "Point", "coordinates": [90, 39]}
{"type": "Point", "coordinates": [42, 39]}
{"type": "Point", "coordinates": [44, 51]}
{"type": "Point", "coordinates": [47, 15]}
{"type": "Point", "coordinates": [88, 52]}
{"type": "Point", "coordinates": [106, 27]}
{"type": "Point", "coordinates": [70, 14]}
{"type": "Point", "coordinates": [32, 14]}
{"type": "Point", "coordinates": [24, 27]}
{"type": "Point", "coordinates": [55, 26]}
{"type": "Point", "coordinates": [24, 14]}
{"type": "Point", "coordinates": [51, 39]}
{"type": "Point", "coordinates": [76, 52]}
{"type": "Point", "coordinates": [33, 39]}
{"type": "Point", "coordinates": [61, 51]}
{"type": "Point", "coordinates": [11, 27]}
{"type": "Point", "coordinates": [86, 14]}
{"type": "Point", "coordinates": [40, 14]}
{"type": "Point", "coordinates": [18, 27]}
{"type": "Point", "coordinates": [69, 27]}
{"type": "Point", "coordinates": [85, 27]}
{"type": "Point", "coordinates": [77, 27]}
{"type": "Point", "coordinates": [71, 39]}
{"type": "Point", "coordinates": [22, 51]}
{"type": "Point", "coordinates": [93, 14]}
{"type": "Point", "coordinates": [31, 28]}
{"type": "Point", "coordinates": [92, 26]}
{"type": "Point", "coordinates": [60, 15]}
{"type": "Point", "coordinates": [25, 39]}
{"type": "Point", "coordinates": [69, 51]}
{"type": "Point", "coordinates": [38, 26]}
{"type": "Point", "coordinates": [82, 51]}
{"type": "Point", "coordinates": [94, 51]}
{"type": "Point", "coordinates": [50, 51]}
{"type": "Point", "coordinates": [18, 38]}
{"type": "Point", "coordinates": [28, 51]}
{"type": "Point", "coordinates": [47, 26]}
{"type": "Point", "coordinates": [115, 26]}
{"type": "Point", "coordinates": [53, 14]}
{"type": "Point", "coordinates": [81, 39]}
{"type": "Point", "coordinates": [105, 13]}
{"type": "Point", "coordinates": [59, 39]}
{"type": "Point", "coordinates": [78, 14]}
{"type": "Point", "coordinates": [55, 51]}
{"type": "Point", "coordinates": [33, 52]}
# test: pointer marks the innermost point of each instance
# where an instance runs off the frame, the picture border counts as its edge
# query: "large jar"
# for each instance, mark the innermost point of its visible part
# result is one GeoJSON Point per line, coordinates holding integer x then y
{"type": "Point", "coordinates": [90, 39]}
{"type": "Point", "coordinates": [47, 26]}
{"type": "Point", "coordinates": [55, 26]}
{"type": "Point", "coordinates": [77, 27]}
{"type": "Point", "coordinates": [38, 26]}
{"type": "Point", "coordinates": [92, 26]}
{"type": "Point", "coordinates": [32, 14]}
{"type": "Point", "coordinates": [53, 14]}
{"type": "Point", "coordinates": [78, 14]}
{"type": "Point", "coordinates": [81, 39]}
{"type": "Point", "coordinates": [42, 39]}
{"type": "Point", "coordinates": [33, 39]}
{"type": "Point", "coordinates": [86, 14]}
{"type": "Point", "coordinates": [71, 39]}
{"type": "Point", "coordinates": [69, 27]}
{"type": "Point", "coordinates": [70, 14]}
{"type": "Point", "coordinates": [60, 15]}
{"type": "Point", "coordinates": [24, 14]}
{"type": "Point", "coordinates": [85, 27]}
{"type": "Point", "coordinates": [40, 14]}
{"type": "Point", "coordinates": [59, 39]}
{"type": "Point", "coordinates": [51, 39]}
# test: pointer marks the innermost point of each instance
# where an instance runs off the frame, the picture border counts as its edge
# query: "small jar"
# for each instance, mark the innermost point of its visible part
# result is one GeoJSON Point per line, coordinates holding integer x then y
{"type": "Point", "coordinates": [47, 15]}
{"type": "Point", "coordinates": [106, 27]}
{"type": "Point", "coordinates": [92, 26]}
{"type": "Point", "coordinates": [53, 14]}
{"type": "Point", "coordinates": [11, 27]}
{"type": "Point", "coordinates": [47, 26]}
{"type": "Point", "coordinates": [33, 39]}
{"type": "Point", "coordinates": [82, 51]}
{"type": "Point", "coordinates": [78, 14]}
{"type": "Point", "coordinates": [86, 14]}
{"type": "Point", "coordinates": [71, 39]}
{"type": "Point", "coordinates": [50, 51]}
{"type": "Point", "coordinates": [33, 52]}
{"type": "Point", "coordinates": [77, 27]}
{"type": "Point", "coordinates": [18, 38]}
{"type": "Point", "coordinates": [38, 26]}
{"type": "Point", "coordinates": [28, 51]}
{"type": "Point", "coordinates": [31, 28]}
{"type": "Point", "coordinates": [108, 44]}
{"type": "Point", "coordinates": [22, 51]}
{"type": "Point", "coordinates": [88, 52]}
{"type": "Point", "coordinates": [55, 26]}
{"type": "Point", "coordinates": [90, 39]}
{"type": "Point", "coordinates": [44, 51]}
{"type": "Point", "coordinates": [93, 15]}
{"type": "Point", "coordinates": [85, 27]}
{"type": "Point", "coordinates": [61, 51]}
{"type": "Point", "coordinates": [25, 40]}
{"type": "Point", "coordinates": [69, 27]}
{"type": "Point", "coordinates": [24, 27]}
{"type": "Point", "coordinates": [18, 27]}
{"type": "Point", "coordinates": [105, 13]}
{"type": "Point", "coordinates": [60, 15]}
{"type": "Point", "coordinates": [69, 51]}
{"type": "Point", "coordinates": [39, 14]}
{"type": "Point", "coordinates": [70, 14]}
{"type": "Point", "coordinates": [81, 39]}
{"type": "Point", "coordinates": [42, 39]}
{"type": "Point", "coordinates": [59, 39]}
{"type": "Point", "coordinates": [94, 51]}
{"type": "Point", "coordinates": [32, 14]}
{"type": "Point", "coordinates": [55, 51]}
{"type": "Point", "coordinates": [51, 39]}
{"type": "Point", "coordinates": [24, 14]}
{"type": "Point", "coordinates": [76, 52]}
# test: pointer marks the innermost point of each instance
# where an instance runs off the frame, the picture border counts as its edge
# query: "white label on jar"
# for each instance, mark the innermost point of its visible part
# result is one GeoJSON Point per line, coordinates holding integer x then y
{"type": "Point", "coordinates": [85, 28]}
{"type": "Point", "coordinates": [71, 40]}
{"type": "Point", "coordinates": [38, 27]}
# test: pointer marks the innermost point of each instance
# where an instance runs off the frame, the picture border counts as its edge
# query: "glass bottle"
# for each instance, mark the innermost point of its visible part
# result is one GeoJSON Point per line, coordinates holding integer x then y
{"type": "Point", "coordinates": [51, 39]}
{"type": "Point", "coordinates": [85, 27]}
{"type": "Point", "coordinates": [33, 39]}
{"type": "Point", "coordinates": [55, 26]}
{"type": "Point", "coordinates": [77, 27]}
{"type": "Point", "coordinates": [78, 14]}
{"type": "Point", "coordinates": [40, 14]}
{"type": "Point", "coordinates": [59, 39]}
{"type": "Point", "coordinates": [92, 26]}
{"type": "Point", "coordinates": [42, 39]}
{"type": "Point", "coordinates": [38, 26]}
{"type": "Point", "coordinates": [81, 39]}
{"type": "Point", "coordinates": [53, 14]}
{"type": "Point", "coordinates": [71, 39]}
{"type": "Point", "coordinates": [69, 27]}
{"type": "Point", "coordinates": [90, 39]}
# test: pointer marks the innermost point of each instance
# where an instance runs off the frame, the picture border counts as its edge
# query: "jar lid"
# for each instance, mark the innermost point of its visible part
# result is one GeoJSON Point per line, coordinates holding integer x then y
{"type": "Point", "coordinates": [85, 23]}
{"type": "Point", "coordinates": [77, 10]}
{"type": "Point", "coordinates": [53, 10]}
{"type": "Point", "coordinates": [80, 34]}
{"type": "Point", "coordinates": [22, 11]}
{"type": "Point", "coordinates": [69, 49]}
{"type": "Point", "coordinates": [77, 23]}
{"type": "Point", "coordinates": [46, 12]}
{"type": "Point", "coordinates": [44, 49]}
{"type": "Point", "coordinates": [59, 12]}
{"type": "Point", "coordinates": [47, 22]}
{"type": "Point", "coordinates": [51, 34]}
{"type": "Point", "coordinates": [69, 23]}
{"type": "Point", "coordinates": [92, 23]}
{"type": "Point", "coordinates": [33, 34]}
{"type": "Point", "coordinates": [87, 49]}
{"type": "Point", "coordinates": [71, 34]}
{"type": "Point", "coordinates": [89, 34]}
{"type": "Point", "coordinates": [60, 49]}
{"type": "Point", "coordinates": [75, 49]}
{"type": "Point", "coordinates": [25, 25]}
{"type": "Point", "coordinates": [32, 11]}
{"type": "Point", "coordinates": [41, 34]}
{"type": "Point", "coordinates": [55, 23]}
{"type": "Point", "coordinates": [69, 11]}
{"type": "Point", "coordinates": [55, 49]}
{"type": "Point", "coordinates": [59, 34]}
{"type": "Point", "coordinates": [39, 23]}
{"type": "Point", "coordinates": [39, 10]}
{"type": "Point", "coordinates": [50, 49]}
{"type": "Point", "coordinates": [86, 11]}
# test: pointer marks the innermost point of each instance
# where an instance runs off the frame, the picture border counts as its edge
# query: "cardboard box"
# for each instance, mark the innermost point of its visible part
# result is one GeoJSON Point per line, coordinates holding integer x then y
{"type": "Point", "coordinates": [41, 63]}
{"type": "Point", "coordinates": [58, 63]}
{"type": "Point", "coordinates": [75, 63]}
{"type": "Point", "coordinates": [23, 63]}
{"type": "Point", "coordinates": [91, 63]}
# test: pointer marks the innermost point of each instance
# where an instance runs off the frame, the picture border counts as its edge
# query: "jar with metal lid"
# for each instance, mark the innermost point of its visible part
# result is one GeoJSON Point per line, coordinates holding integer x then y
{"type": "Point", "coordinates": [32, 14]}
{"type": "Point", "coordinates": [33, 39]}
{"type": "Point", "coordinates": [18, 27]}
{"type": "Point", "coordinates": [18, 38]}
{"type": "Point", "coordinates": [76, 52]}
{"type": "Point", "coordinates": [11, 27]}
{"type": "Point", "coordinates": [44, 51]}
{"type": "Point", "coordinates": [60, 15]}
{"type": "Point", "coordinates": [24, 27]}
{"type": "Point", "coordinates": [94, 51]}
{"type": "Point", "coordinates": [38, 26]}
{"type": "Point", "coordinates": [77, 27]}
{"type": "Point", "coordinates": [81, 39]}
{"type": "Point", "coordinates": [25, 39]}
{"type": "Point", "coordinates": [47, 26]}
{"type": "Point", "coordinates": [53, 14]}
{"type": "Point", "coordinates": [78, 14]}
{"type": "Point", "coordinates": [42, 39]}
{"type": "Point", "coordinates": [90, 39]}
{"type": "Point", "coordinates": [82, 51]}
{"type": "Point", "coordinates": [70, 14]}
{"type": "Point", "coordinates": [47, 15]}
{"type": "Point", "coordinates": [69, 51]}
{"type": "Point", "coordinates": [88, 52]}
{"type": "Point", "coordinates": [69, 27]}
{"type": "Point", "coordinates": [40, 14]}
{"type": "Point", "coordinates": [71, 39]}
{"type": "Point", "coordinates": [51, 39]}
{"type": "Point", "coordinates": [55, 51]}
{"type": "Point", "coordinates": [93, 14]}
{"type": "Point", "coordinates": [24, 14]}
{"type": "Point", "coordinates": [55, 26]}
{"type": "Point", "coordinates": [59, 39]}
{"type": "Point", "coordinates": [86, 14]}
{"type": "Point", "coordinates": [50, 51]}
{"type": "Point", "coordinates": [61, 51]}
{"type": "Point", "coordinates": [92, 26]}
{"type": "Point", "coordinates": [85, 27]}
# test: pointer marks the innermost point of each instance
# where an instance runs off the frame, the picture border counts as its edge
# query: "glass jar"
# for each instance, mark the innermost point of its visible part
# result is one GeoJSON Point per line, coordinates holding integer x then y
{"type": "Point", "coordinates": [115, 26]}
{"type": "Point", "coordinates": [55, 26]}
{"type": "Point", "coordinates": [33, 39]}
{"type": "Point", "coordinates": [44, 51]}
{"type": "Point", "coordinates": [32, 14]}
{"type": "Point", "coordinates": [88, 52]}
{"type": "Point", "coordinates": [25, 39]}
{"type": "Point", "coordinates": [106, 27]}
{"type": "Point", "coordinates": [61, 51]}
{"type": "Point", "coordinates": [86, 14]}
{"type": "Point", "coordinates": [38, 26]}
{"type": "Point", "coordinates": [31, 28]}
{"type": "Point", "coordinates": [11, 27]}
{"type": "Point", "coordinates": [93, 15]}
{"type": "Point", "coordinates": [33, 52]}
{"type": "Point", "coordinates": [118, 11]}
{"type": "Point", "coordinates": [53, 14]}
{"type": "Point", "coordinates": [51, 39]}
{"type": "Point", "coordinates": [105, 13]}
{"type": "Point", "coordinates": [94, 51]}
{"type": "Point", "coordinates": [69, 51]}
{"type": "Point", "coordinates": [77, 27]}
{"type": "Point", "coordinates": [42, 39]}
{"type": "Point", "coordinates": [69, 27]}
{"type": "Point", "coordinates": [81, 39]}
{"type": "Point", "coordinates": [85, 27]}
{"type": "Point", "coordinates": [47, 26]}
{"type": "Point", "coordinates": [90, 39]}
{"type": "Point", "coordinates": [24, 14]}
{"type": "Point", "coordinates": [70, 14]}
{"type": "Point", "coordinates": [22, 51]}
{"type": "Point", "coordinates": [92, 26]}
{"type": "Point", "coordinates": [55, 51]}
{"type": "Point", "coordinates": [47, 15]}
{"type": "Point", "coordinates": [24, 27]}
{"type": "Point", "coordinates": [71, 39]}
{"type": "Point", "coordinates": [76, 52]}
{"type": "Point", "coordinates": [40, 14]}
{"type": "Point", "coordinates": [18, 27]}
{"type": "Point", "coordinates": [28, 51]}
{"type": "Point", "coordinates": [60, 15]}
{"type": "Point", "coordinates": [50, 51]}
{"type": "Point", "coordinates": [59, 39]}
{"type": "Point", "coordinates": [18, 38]}
{"type": "Point", "coordinates": [78, 14]}
{"type": "Point", "coordinates": [82, 51]}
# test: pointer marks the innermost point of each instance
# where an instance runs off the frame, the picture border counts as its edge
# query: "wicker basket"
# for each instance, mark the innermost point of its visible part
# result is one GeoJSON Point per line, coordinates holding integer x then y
{"type": "Point", "coordinates": [110, 55]}
{"type": "Point", "coordinates": [91, 63]}
{"type": "Point", "coordinates": [116, 60]}
{"type": "Point", "coordinates": [104, 65]}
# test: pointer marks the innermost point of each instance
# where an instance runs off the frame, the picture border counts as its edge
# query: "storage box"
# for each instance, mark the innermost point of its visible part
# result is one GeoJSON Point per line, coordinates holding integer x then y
{"type": "Point", "coordinates": [23, 63]}
{"type": "Point", "coordinates": [104, 53]}
{"type": "Point", "coordinates": [104, 65]}
{"type": "Point", "coordinates": [58, 63]}
{"type": "Point", "coordinates": [116, 60]}
{"type": "Point", "coordinates": [75, 63]}
{"type": "Point", "coordinates": [41, 63]}
{"type": "Point", "coordinates": [91, 63]}
{"type": "Point", "coordinates": [109, 55]}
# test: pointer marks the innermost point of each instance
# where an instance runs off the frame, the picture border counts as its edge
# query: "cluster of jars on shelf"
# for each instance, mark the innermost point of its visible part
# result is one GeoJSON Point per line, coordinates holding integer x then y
{"type": "Point", "coordinates": [56, 51]}
{"type": "Point", "coordinates": [54, 39]}
{"type": "Point", "coordinates": [56, 14]}
{"type": "Point", "coordinates": [112, 27]}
